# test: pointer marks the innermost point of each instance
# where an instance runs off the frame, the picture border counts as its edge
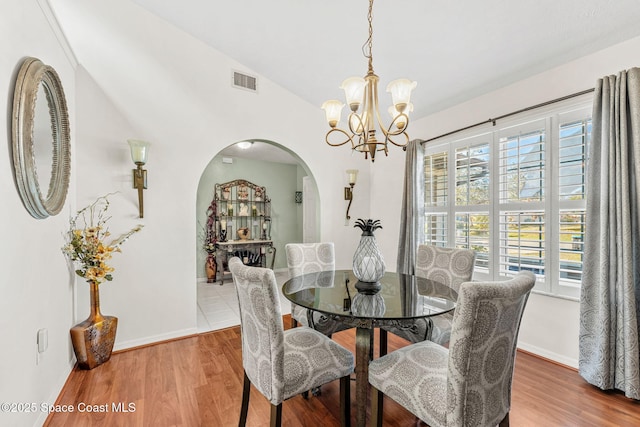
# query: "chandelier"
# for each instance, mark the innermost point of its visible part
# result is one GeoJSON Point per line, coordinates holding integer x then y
{"type": "Point", "coordinates": [362, 97]}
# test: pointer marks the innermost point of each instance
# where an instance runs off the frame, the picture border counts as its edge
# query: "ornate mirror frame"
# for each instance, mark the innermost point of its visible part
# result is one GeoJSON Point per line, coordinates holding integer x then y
{"type": "Point", "coordinates": [32, 74]}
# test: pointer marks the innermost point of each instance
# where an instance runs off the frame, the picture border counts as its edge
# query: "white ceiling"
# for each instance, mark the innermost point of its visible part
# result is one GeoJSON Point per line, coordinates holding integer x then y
{"type": "Point", "coordinates": [261, 151]}
{"type": "Point", "coordinates": [455, 50]}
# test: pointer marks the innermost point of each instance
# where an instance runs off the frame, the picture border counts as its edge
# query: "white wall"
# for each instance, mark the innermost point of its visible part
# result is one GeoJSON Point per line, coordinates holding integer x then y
{"type": "Point", "coordinates": [550, 325]}
{"type": "Point", "coordinates": [142, 78]}
{"type": "Point", "coordinates": [35, 287]}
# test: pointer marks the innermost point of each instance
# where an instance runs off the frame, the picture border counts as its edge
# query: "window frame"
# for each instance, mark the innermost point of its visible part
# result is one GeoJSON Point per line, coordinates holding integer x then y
{"type": "Point", "coordinates": [551, 116]}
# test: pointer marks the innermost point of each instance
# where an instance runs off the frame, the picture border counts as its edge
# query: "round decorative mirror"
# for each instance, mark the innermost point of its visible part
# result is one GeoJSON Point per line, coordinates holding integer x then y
{"type": "Point", "coordinates": [41, 141]}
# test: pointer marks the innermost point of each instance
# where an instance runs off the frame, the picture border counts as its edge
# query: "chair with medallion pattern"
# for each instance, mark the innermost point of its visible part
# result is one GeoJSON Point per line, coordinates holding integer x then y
{"type": "Point", "coordinates": [469, 383]}
{"type": "Point", "coordinates": [450, 266]}
{"type": "Point", "coordinates": [303, 258]}
{"type": "Point", "coordinates": [281, 364]}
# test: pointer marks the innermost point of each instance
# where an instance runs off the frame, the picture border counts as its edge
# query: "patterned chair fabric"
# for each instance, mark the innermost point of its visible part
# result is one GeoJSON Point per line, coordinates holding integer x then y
{"type": "Point", "coordinates": [468, 384]}
{"type": "Point", "coordinates": [303, 258]}
{"type": "Point", "coordinates": [279, 363]}
{"type": "Point", "coordinates": [445, 265]}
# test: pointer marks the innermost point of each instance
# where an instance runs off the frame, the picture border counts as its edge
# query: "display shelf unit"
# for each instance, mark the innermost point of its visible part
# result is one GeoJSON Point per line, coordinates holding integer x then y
{"type": "Point", "coordinates": [241, 225]}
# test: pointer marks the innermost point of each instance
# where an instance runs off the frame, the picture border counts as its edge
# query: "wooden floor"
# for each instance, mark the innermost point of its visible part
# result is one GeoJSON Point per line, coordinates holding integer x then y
{"type": "Point", "coordinates": [197, 381]}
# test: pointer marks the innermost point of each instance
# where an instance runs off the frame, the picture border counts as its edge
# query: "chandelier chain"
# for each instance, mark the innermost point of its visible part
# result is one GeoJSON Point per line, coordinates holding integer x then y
{"type": "Point", "coordinates": [367, 47]}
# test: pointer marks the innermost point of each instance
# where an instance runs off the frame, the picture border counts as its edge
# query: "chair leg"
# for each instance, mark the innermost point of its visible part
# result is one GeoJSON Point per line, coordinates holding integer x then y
{"type": "Point", "coordinates": [371, 345]}
{"type": "Point", "coordinates": [376, 407]}
{"type": "Point", "coordinates": [246, 390]}
{"type": "Point", "coordinates": [383, 342]}
{"type": "Point", "coordinates": [276, 415]}
{"type": "Point", "coordinates": [345, 401]}
{"type": "Point", "coordinates": [505, 421]}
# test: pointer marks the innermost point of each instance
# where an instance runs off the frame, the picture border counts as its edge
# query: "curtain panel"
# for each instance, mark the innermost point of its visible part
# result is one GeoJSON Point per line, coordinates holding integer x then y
{"type": "Point", "coordinates": [609, 356]}
{"type": "Point", "coordinates": [412, 209]}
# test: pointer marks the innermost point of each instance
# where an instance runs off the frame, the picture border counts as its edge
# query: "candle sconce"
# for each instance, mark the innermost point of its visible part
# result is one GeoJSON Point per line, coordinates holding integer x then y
{"type": "Point", "coordinates": [264, 234]}
{"type": "Point", "coordinates": [139, 151]}
{"type": "Point", "coordinates": [348, 191]}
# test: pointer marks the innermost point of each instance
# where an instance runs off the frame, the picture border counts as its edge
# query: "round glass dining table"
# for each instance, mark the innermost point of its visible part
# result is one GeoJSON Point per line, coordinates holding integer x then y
{"type": "Point", "coordinates": [398, 300]}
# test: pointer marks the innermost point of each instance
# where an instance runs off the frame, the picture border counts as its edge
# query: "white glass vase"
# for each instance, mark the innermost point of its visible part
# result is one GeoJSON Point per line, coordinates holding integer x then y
{"type": "Point", "coordinates": [368, 263]}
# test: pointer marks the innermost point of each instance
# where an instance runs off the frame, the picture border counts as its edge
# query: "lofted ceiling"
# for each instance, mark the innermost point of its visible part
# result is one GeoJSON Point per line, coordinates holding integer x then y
{"type": "Point", "coordinates": [455, 49]}
{"type": "Point", "coordinates": [260, 150]}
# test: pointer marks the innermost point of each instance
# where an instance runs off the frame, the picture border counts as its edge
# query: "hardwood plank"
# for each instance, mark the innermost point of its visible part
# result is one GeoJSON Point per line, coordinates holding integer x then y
{"type": "Point", "coordinates": [197, 381]}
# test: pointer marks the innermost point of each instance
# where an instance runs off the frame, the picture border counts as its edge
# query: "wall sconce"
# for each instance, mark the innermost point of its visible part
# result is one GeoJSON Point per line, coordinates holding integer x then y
{"type": "Point", "coordinates": [298, 196]}
{"type": "Point", "coordinates": [348, 191]}
{"type": "Point", "coordinates": [139, 151]}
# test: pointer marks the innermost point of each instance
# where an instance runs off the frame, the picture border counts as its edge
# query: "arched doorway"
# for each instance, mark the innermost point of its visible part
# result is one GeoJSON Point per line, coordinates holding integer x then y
{"type": "Point", "coordinates": [284, 174]}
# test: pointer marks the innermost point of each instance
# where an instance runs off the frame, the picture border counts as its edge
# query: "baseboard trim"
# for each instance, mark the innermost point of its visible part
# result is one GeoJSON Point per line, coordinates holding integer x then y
{"type": "Point", "coordinates": [63, 380]}
{"type": "Point", "coordinates": [156, 339]}
{"type": "Point", "coordinates": [549, 356]}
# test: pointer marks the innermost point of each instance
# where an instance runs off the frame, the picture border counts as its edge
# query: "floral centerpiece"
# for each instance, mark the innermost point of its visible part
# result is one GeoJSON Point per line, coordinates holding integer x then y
{"type": "Point", "coordinates": [209, 242]}
{"type": "Point", "coordinates": [209, 247]}
{"type": "Point", "coordinates": [87, 247]}
{"type": "Point", "coordinates": [209, 230]}
{"type": "Point", "coordinates": [87, 243]}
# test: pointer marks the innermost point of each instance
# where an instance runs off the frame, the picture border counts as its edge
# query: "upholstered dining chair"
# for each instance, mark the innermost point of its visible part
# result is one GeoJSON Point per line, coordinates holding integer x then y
{"type": "Point", "coordinates": [469, 383]}
{"type": "Point", "coordinates": [450, 266]}
{"type": "Point", "coordinates": [279, 363]}
{"type": "Point", "coordinates": [303, 258]}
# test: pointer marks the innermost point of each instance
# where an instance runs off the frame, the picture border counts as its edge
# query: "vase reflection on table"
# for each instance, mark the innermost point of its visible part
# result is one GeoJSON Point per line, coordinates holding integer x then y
{"type": "Point", "coordinates": [368, 305]}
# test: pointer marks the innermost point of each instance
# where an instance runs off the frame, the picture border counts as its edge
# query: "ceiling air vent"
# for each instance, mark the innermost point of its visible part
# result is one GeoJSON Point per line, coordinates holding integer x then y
{"type": "Point", "coordinates": [245, 81]}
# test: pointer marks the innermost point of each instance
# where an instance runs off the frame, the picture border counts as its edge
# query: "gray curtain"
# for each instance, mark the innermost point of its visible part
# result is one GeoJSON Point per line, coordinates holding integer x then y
{"type": "Point", "coordinates": [609, 302]}
{"type": "Point", "coordinates": [412, 211]}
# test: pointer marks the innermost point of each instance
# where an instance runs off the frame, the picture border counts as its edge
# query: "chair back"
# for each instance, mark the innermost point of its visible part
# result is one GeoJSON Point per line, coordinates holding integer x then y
{"type": "Point", "coordinates": [445, 265]}
{"type": "Point", "coordinates": [482, 349]}
{"type": "Point", "coordinates": [261, 327]}
{"type": "Point", "coordinates": [303, 258]}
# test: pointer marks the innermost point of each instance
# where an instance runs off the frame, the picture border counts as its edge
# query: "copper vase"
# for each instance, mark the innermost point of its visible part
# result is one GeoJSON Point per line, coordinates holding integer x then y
{"type": "Point", "coordinates": [93, 339]}
{"type": "Point", "coordinates": [211, 265]}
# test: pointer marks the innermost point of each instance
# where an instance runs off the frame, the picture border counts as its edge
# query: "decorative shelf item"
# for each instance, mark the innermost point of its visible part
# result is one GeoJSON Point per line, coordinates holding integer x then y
{"type": "Point", "coordinates": [244, 233]}
{"type": "Point", "coordinates": [243, 209]}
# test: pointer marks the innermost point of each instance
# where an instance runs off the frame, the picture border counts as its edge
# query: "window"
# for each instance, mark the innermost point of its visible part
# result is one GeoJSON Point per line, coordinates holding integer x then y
{"type": "Point", "coordinates": [515, 194]}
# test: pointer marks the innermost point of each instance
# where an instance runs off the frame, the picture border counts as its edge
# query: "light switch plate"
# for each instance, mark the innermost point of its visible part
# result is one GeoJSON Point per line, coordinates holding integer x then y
{"type": "Point", "coordinates": [43, 340]}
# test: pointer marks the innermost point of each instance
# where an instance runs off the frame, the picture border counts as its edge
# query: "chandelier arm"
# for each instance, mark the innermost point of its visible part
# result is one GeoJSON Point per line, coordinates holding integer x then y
{"type": "Point", "coordinates": [404, 146]}
{"type": "Point", "coordinates": [388, 133]}
{"type": "Point", "coordinates": [361, 124]}
{"type": "Point", "coordinates": [349, 139]}
{"type": "Point", "coordinates": [399, 130]}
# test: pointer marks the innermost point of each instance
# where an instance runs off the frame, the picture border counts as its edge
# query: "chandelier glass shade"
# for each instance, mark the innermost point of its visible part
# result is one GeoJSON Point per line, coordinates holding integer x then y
{"type": "Point", "coordinates": [364, 119]}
